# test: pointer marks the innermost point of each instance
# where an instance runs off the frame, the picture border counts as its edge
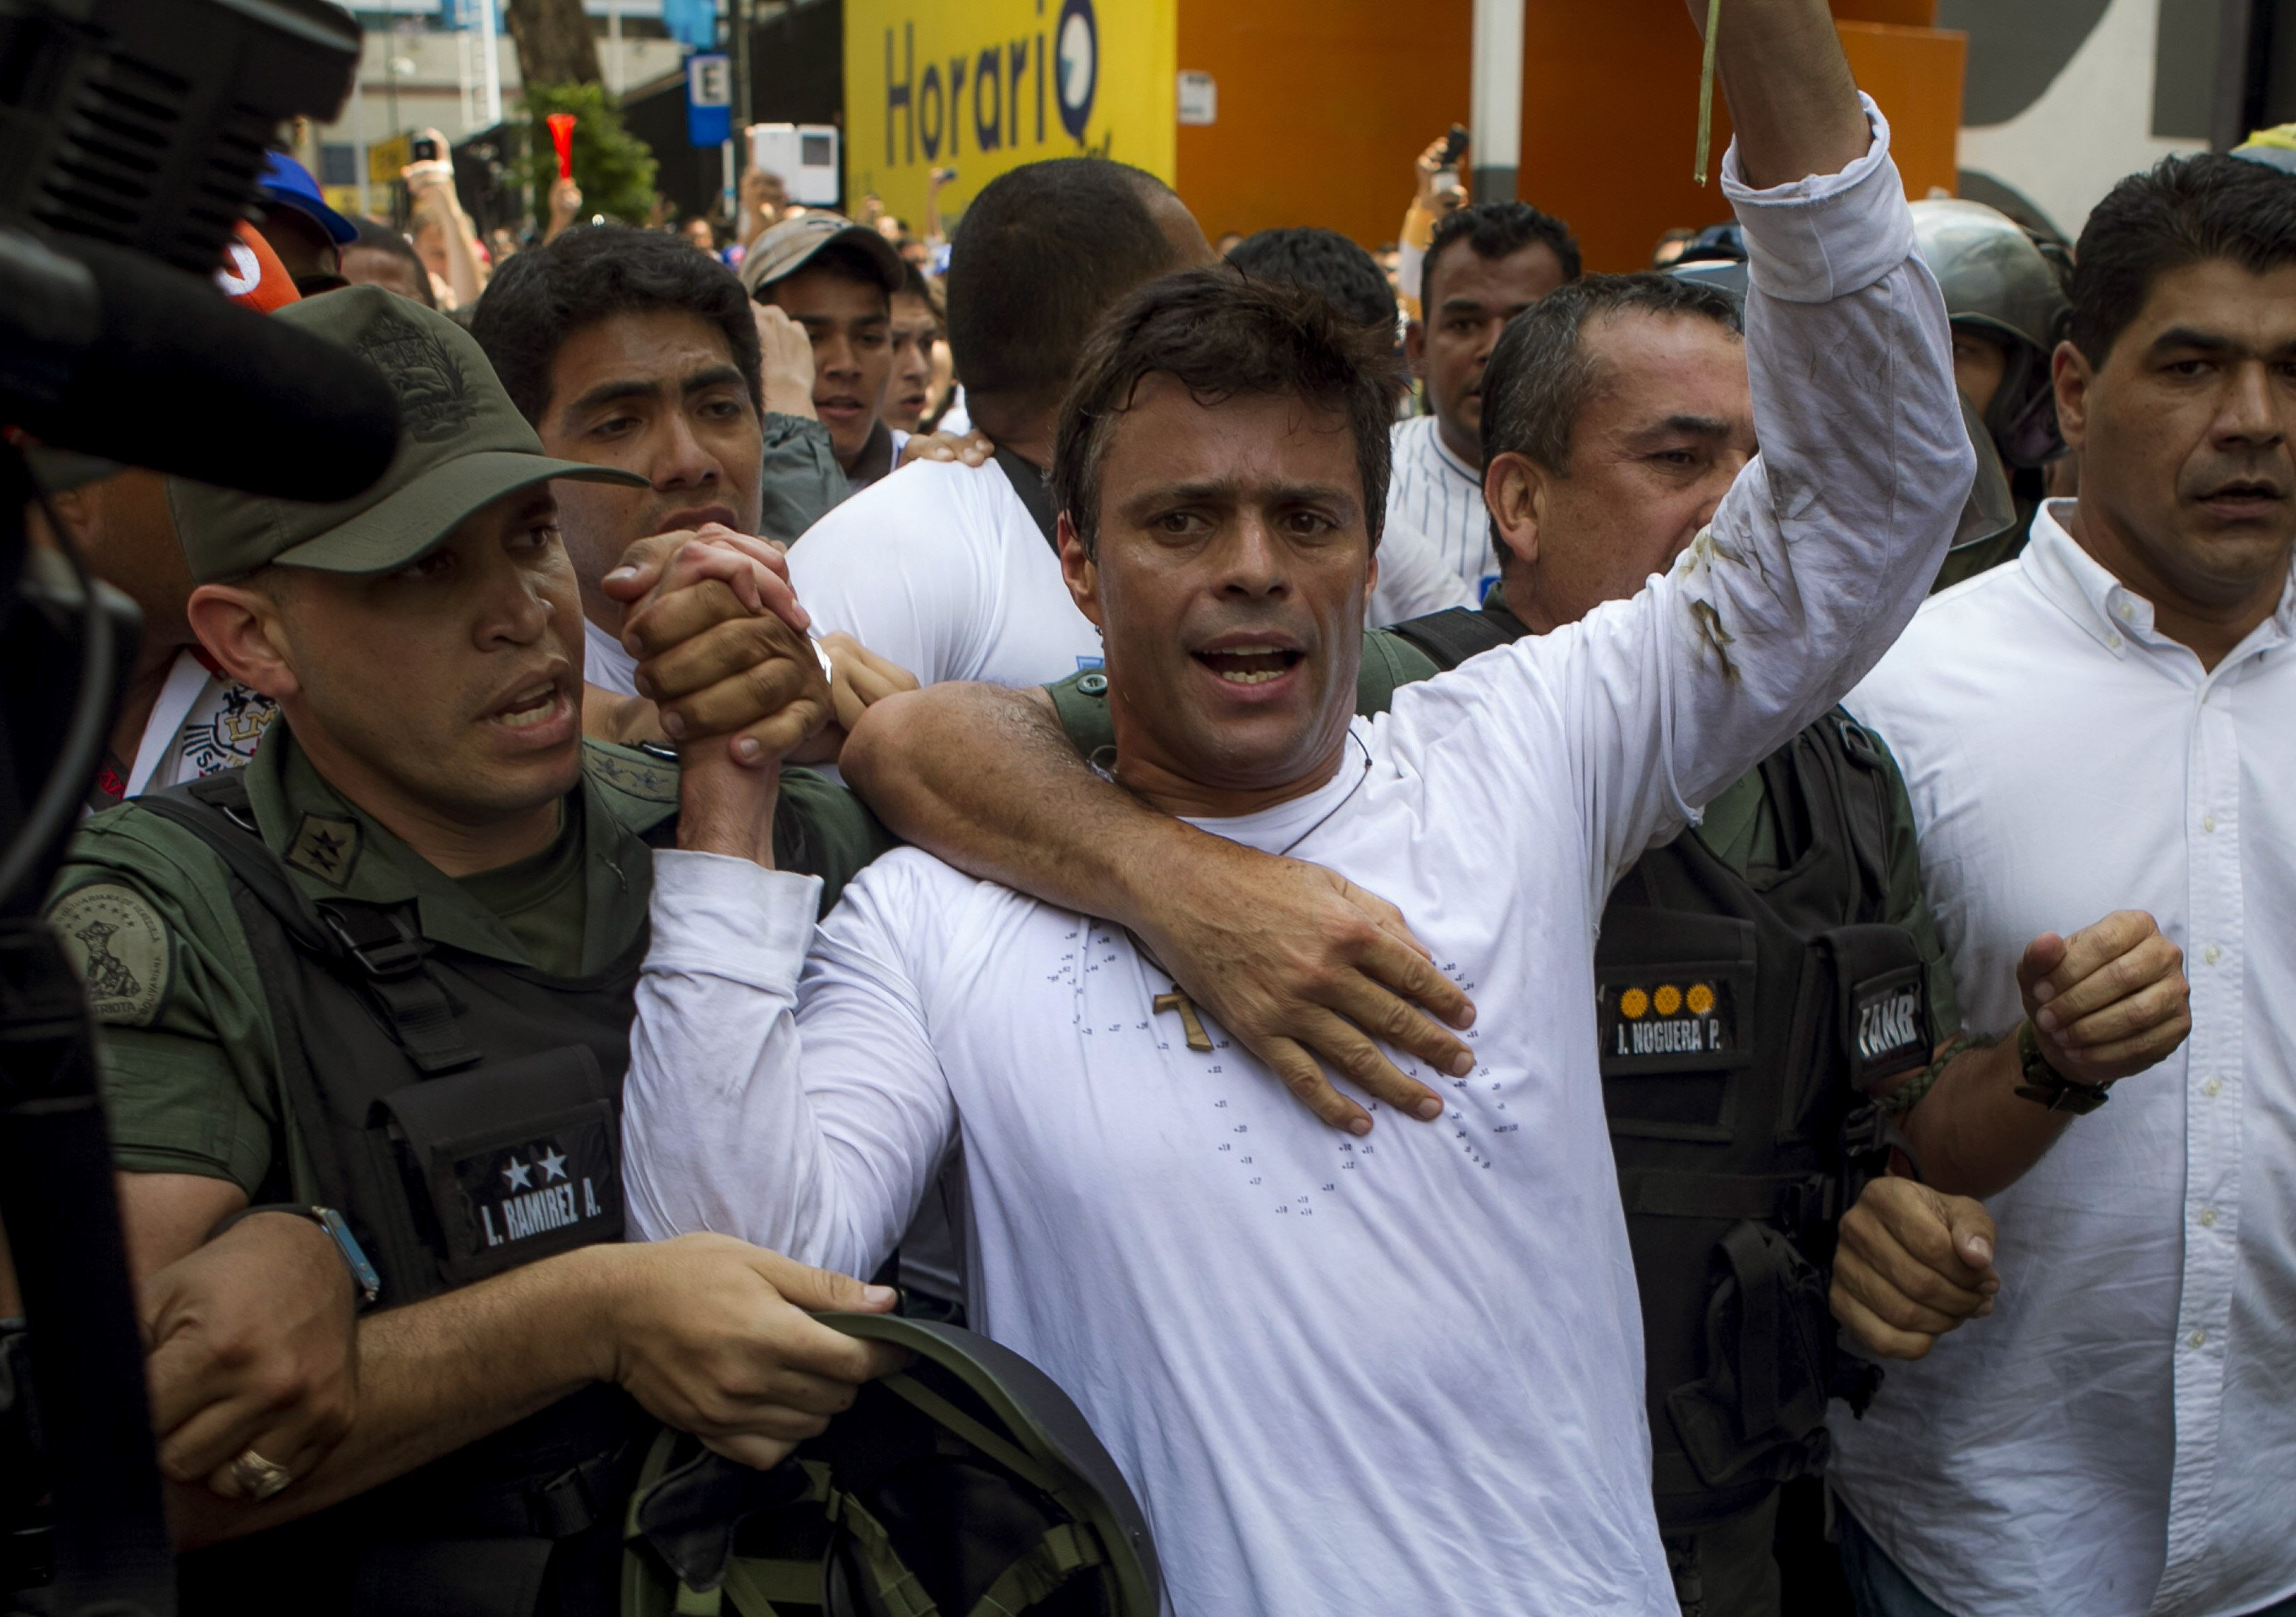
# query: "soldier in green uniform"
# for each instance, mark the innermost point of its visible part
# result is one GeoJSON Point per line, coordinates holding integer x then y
{"type": "Point", "coordinates": [384, 979]}
{"type": "Point", "coordinates": [1775, 1012]}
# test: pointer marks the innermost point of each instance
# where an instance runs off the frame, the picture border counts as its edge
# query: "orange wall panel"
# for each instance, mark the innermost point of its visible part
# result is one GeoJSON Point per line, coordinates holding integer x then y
{"type": "Point", "coordinates": [1914, 75]}
{"type": "Point", "coordinates": [1322, 107]}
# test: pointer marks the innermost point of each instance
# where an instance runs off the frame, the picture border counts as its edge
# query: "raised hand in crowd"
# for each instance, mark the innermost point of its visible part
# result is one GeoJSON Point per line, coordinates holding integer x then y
{"type": "Point", "coordinates": [785, 361]}
{"type": "Point", "coordinates": [565, 206]}
{"type": "Point", "coordinates": [444, 236]}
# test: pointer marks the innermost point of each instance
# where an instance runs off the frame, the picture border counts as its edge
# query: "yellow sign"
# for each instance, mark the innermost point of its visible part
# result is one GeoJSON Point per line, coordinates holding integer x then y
{"type": "Point", "coordinates": [386, 158]}
{"type": "Point", "coordinates": [984, 85]}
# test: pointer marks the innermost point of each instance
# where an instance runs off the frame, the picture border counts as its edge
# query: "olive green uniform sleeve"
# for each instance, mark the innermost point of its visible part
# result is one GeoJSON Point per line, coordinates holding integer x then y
{"type": "Point", "coordinates": [189, 1068]}
{"type": "Point", "coordinates": [823, 830]}
{"type": "Point", "coordinates": [1909, 906]}
{"type": "Point", "coordinates": [803, 479]}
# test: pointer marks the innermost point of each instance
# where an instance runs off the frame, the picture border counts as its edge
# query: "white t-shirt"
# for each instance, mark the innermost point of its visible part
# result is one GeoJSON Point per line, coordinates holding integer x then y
{"type": "Point", "coordinates": [1435, 493]}
{"type": "Point", "coordinates": [1400, 1374]}
{"type": "Point", "coordinates": [606, 664]}
{"type": "Point", "coordinates": [941, 568]}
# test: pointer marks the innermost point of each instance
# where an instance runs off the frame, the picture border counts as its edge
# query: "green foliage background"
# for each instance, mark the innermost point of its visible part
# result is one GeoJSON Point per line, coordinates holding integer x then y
{"type": "Point", "coordinates": [614, 167]}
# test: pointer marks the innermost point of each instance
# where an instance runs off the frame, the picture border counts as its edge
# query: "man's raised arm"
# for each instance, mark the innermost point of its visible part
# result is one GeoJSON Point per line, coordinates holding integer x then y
{"type": "Point", "coordinates": [1826, 543]}
{"type": "Point", "coordinates": [1295, 962]}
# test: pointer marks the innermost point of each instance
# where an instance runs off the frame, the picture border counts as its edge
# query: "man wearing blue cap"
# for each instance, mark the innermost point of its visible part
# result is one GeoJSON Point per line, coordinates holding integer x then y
{"type": "Point", "coordinates": [306, 233]}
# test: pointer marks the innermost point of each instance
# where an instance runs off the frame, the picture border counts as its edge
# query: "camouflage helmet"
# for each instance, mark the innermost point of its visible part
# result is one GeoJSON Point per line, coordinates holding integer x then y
{"type": "Point", "coordinates": [1996, 278]}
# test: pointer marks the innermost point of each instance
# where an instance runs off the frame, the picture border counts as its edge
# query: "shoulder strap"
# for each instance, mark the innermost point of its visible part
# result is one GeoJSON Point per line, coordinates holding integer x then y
{"type": "Point", "coordinates": [1450, 637]}
{"type": "Point", "coordinates": [1029, 483]}
{"type": "Point", "coordinates": [1866, 802]}
{"type": "Point", "coordinates": [375, 942]}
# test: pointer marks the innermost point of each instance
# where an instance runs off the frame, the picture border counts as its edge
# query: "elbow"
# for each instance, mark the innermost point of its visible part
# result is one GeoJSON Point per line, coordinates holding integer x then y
{"type": "Point", "coordinates": [878, 739]}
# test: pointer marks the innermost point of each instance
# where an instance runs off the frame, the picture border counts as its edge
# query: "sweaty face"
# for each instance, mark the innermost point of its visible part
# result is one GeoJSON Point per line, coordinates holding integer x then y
{"type": "Point", "coordinates": [1668, 424]}
{"type": "Point", "coordinates": [914, 330]}
{"type": "Point", "coordinates": [2184, 434]}
{"type": "Point", "coordinates": [481, 717]}
{"type": "Point", "coordinates": [656, 393]}
{"type": "Point", "coordinates": [849, 322]}
{"type": "Point", "coordinates": [1474, 297]}
{"type": "Point", "coordinates": [1232, 563]}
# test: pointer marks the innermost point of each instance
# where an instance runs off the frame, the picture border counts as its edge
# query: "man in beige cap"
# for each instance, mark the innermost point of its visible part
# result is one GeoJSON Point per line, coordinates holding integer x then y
{"type": "Point", "coordinates": [382, 980]}
{"type": "Point", "coordinates": [837, 280]}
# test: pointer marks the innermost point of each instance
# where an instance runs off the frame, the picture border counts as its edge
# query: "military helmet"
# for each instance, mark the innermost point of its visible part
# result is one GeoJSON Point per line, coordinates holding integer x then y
{"type": "Point", "coordinates": [1996, 278]}
{"type": "Point", "coordinates": [964, 1485]}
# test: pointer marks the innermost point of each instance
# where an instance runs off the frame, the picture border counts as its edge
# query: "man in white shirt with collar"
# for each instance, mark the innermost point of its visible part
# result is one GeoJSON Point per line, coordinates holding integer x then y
{"type": "Point", "coordinates": [2105, 721]}
{"type": "Point", "coordinates": [1393, 1370]}
{"type": "Point", "coordinates": [948, 571]}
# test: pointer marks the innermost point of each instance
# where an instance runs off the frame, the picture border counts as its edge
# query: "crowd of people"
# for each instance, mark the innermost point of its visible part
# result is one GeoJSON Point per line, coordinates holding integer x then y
{"type": "Point", "coordinates": [1561, 942]}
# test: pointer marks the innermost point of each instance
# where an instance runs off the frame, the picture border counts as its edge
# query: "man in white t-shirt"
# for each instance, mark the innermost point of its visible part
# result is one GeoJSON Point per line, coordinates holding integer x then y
{"type": "Point", "coordinates": [1306, 1347]}
{"type": "Point", "coordinates": [949, 570]}
{"type": "Point", "coordinates": [1484, 266]}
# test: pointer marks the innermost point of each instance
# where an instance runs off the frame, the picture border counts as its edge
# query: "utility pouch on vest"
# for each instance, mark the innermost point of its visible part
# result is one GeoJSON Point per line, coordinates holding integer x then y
{"type": "Point", "coordinates": [514, 1161]}
{"type": "Point", "coordinates": [1674, 1000]}
{"type": "Point", "coordinates": [1768, 1337]}
{"type": "Point", "coordinates": [1884, 1002]}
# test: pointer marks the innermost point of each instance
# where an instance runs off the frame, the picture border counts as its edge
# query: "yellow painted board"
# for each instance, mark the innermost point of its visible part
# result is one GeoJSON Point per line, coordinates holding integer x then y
{"type": "Point", "coordinates": [984, 86]}
{"type": "Point", "coordinates": [386, 158]}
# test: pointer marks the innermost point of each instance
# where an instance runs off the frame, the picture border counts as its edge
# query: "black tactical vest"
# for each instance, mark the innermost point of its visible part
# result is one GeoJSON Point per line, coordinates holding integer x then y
{"type": "Point", "coordinates": [1741, 1024]}
{"type": "Point", "coordinates": [463, 1114]}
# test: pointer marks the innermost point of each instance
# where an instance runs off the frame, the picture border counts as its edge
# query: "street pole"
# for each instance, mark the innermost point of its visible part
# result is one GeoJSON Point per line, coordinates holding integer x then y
{"type": "Point", "coordinates": [743, 113]}
{"type": "Point", "coordinates": [490, 71]}
{"type": "Point", "coordinates": [1497, 99]}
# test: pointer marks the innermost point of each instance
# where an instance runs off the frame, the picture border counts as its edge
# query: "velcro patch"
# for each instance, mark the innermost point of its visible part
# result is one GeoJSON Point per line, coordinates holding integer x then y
{"type": "Point", "coordinates": [1660, 1022]}
{"type": "Point", "coordinates": [1890, 1027]}
{"type": "Point", "coordinates": [325, 846]}
{"type": "Point", "coordinates": [123, 951]}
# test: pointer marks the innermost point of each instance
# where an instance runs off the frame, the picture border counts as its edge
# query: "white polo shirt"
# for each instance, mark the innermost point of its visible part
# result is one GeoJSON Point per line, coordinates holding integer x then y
{"type": "Point", "coordinates": [1395, 1374]}
{"type": "Point", "coordinates": [2119, 1437]}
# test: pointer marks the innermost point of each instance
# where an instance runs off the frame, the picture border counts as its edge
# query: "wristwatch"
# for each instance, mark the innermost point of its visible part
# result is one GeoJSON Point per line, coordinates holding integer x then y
{"type": "Point", "coordinates": [354, 1255]}
{"type": "Point", "coordinates": [2045, 1086]}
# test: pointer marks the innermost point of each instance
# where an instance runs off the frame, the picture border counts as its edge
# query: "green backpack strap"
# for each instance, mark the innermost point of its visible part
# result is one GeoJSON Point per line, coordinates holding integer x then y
{"type": "Point", "coordinates": [1062, 1553]}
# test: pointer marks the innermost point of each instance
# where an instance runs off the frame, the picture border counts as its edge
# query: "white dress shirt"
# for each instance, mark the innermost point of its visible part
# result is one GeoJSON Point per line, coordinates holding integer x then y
{"type": "Point", "coordinates": [1433, 492]}
{"type": "Point", "coordinates": [2119, 1437]}
{"type": "Point", "coordinates": [1413, 579]}
{"type": "Point", "coordinates": [1378, 1375]}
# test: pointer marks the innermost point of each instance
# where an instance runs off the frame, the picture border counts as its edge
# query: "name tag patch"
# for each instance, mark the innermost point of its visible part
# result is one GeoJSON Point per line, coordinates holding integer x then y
{"type": "Point", "coordinates": [1889, 1026]}
{"type": "Point", "coordinates": [1655, 1023]}
{"type": "Point", "coordinates": [537, 1188]}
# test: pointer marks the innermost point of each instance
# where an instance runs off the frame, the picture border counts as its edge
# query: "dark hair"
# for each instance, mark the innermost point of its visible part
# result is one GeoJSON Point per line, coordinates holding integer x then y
{"type": "Point", "coordinates": [2184, 209]}
{"type": "Point", "coordinates": [382, 238]}
{"type": "Point", "coordinates": [915, 283]}
{"type": "Point", "coordinates": [546, 294]}
{"type": "Point", "coordinates": [1220, 334]}
{"type": "Point", "coordinates": [1041, 254]}
{"type": "Point", "coordinates": [1495, 230]}
{"type": "Point", "coordinates": [1324, 261]}
{"type": "Point", "coordinates": [1540, 372]}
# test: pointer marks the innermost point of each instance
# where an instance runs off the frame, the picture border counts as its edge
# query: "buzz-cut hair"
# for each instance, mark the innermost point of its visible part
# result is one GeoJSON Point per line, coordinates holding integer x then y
{"type": "Point", "coordinates": [1041, 254]}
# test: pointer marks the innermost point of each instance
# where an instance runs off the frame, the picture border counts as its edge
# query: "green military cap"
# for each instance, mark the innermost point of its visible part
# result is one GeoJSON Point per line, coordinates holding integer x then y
{"type": "Point", "coordinates": [461, 446]}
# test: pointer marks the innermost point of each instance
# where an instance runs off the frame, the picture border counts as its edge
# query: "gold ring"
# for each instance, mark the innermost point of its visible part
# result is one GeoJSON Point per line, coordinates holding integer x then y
{"type": "Point", "coordinates": [261, 1479]}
